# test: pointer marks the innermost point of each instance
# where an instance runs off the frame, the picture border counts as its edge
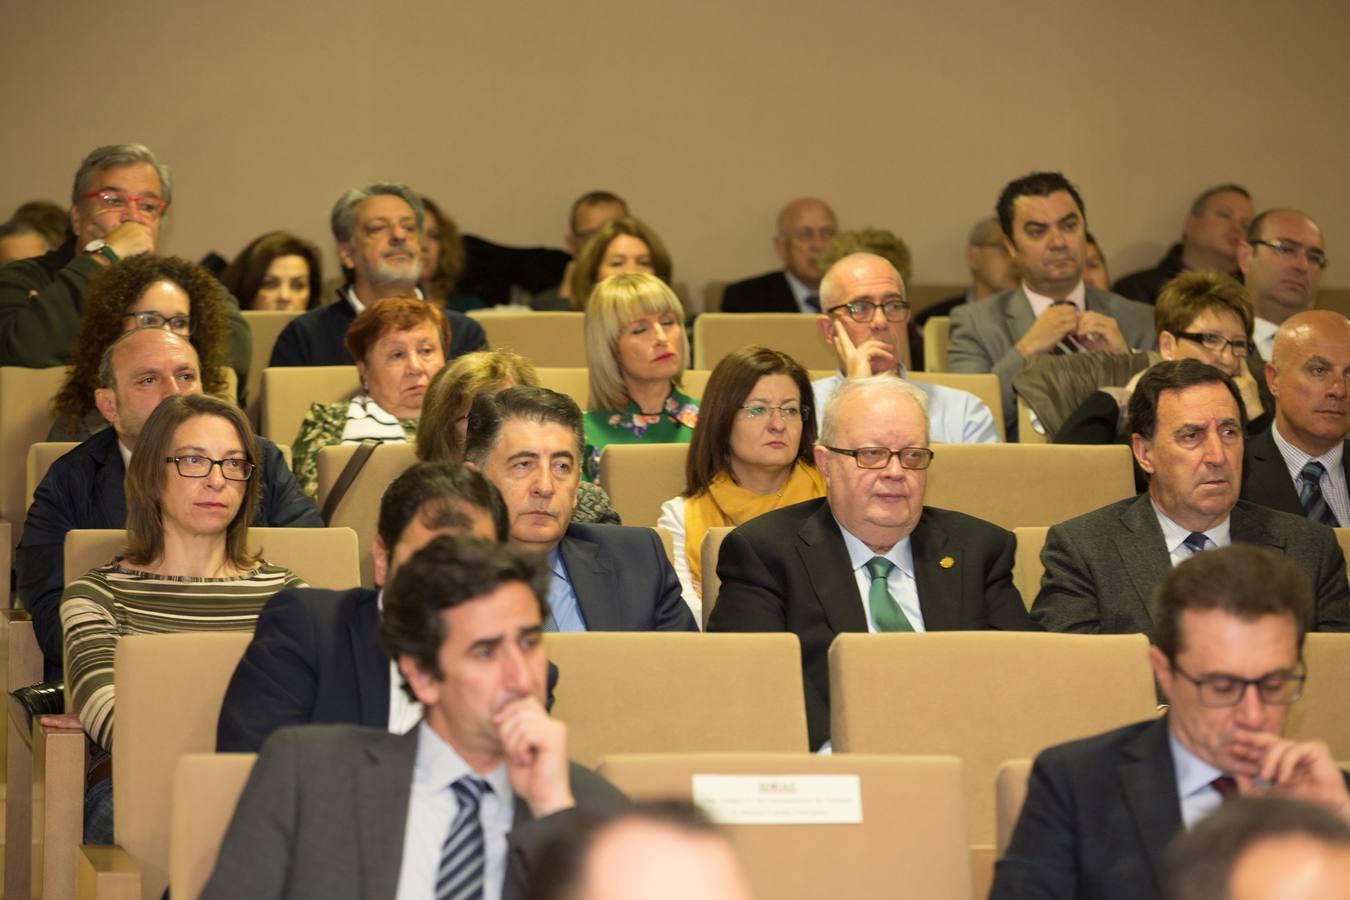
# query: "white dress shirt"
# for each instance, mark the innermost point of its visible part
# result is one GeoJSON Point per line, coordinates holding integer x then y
{"type": "Point", "coordinates": [1195, 787]}
{"type": "Point", "coordinates": [1174, 536]}
{"type": "Point", "coordinates": [1333, 480]}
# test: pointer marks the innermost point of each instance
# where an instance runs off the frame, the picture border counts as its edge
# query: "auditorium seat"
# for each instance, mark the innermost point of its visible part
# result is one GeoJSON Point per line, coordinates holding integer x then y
{"type": "Point", "coordinates": [288, 391]}
{"type": "Point", "coordinates": [359, 508]}
{"type": "Point", "coordinates": [41, 455]}
{"type": "Point", "coordinates": [544, 338]}
{"type": "Point", "coordinates": [911, 840]}
{"type": "Point", "coordinates": [1321, 713]}
{"type": "Point", "coordinates": [644, 692]}
{"type": "Point", "coordinates": [717, 334]}
{"type": "Point", "coordinates": [265, 324]}
{"type": "Point", "coordinates": [640, 477]}
{"type": "Point", "coordinates": [206, 787]}
{"type": "Point", "coordinates": [25, 418]}
{"type": "Point", "coordinates": [1027, 568]}
{"type": "Point", "coordinates": [1010, 790]}
{"type": "Point", "coordinates": [936, 337]}
{"type": "Point", "coordinates": [23, 666]}
{"type": "Point", "coordinates": [712, 549]}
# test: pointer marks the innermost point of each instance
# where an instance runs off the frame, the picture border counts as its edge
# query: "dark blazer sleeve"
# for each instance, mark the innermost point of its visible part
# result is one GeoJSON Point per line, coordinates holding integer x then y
{"type": "Point", "coordinates": [275, 683]}
{"type": "Point", "coordinates": [40, 559]}
{"type": "Point", "coordinates": [289, 349]}
{"type": "Point", "coordinates": [1002, 601]}
{"type": "Point", "coordinates": [1041, 861]}
{"type": "Point", "coordinates": [670, 613]}
{"type": "Point", "coordinates": [466, 335]}
{"type": "Point", "coordinates": [1067, 600]}
{"type": "Point", "coordinates": [749, 598]}
{"type": "Point", "coordinates": [283, 502]}
{"type": "Point", "coordinates": [1333, 590]}
{"type": "Point", "coordinates": [240, 346]}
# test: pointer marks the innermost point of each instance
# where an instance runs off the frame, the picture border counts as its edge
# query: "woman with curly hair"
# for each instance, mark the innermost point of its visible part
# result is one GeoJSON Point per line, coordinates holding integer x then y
{"type": "Point", "coordinates": [142, 291]}
{"type": "Point", "coordinates": [277, 271]}
{"type": "Point", "coordinates": [443, 260]}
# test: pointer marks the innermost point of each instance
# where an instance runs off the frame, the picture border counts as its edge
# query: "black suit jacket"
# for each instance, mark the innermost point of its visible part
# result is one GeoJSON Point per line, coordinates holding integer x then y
{"type": "Point", "coordinates": [767, 293]}
{"type": "Point", "coordinates": [1265, 476]}
{"type": "Point", "coordinates": [315, 658]}
{"type": "Point", "coordinates": [316, 338]}
{"type": "Point", "coordinates": [84, 489]}
{"type": "Point", "coordinates": [623, 580]}
{"type": "Point", "coordinates": [788, 570]}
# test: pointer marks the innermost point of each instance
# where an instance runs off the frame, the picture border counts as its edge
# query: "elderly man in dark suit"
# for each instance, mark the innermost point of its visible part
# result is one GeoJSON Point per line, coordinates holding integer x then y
{"type": "Point", "coordinates": [1227, 653]}
{"type": "Point", "coordinates": [453, 808]}
{"type": "Point", "coordinates": [528, 442]}
{"type": "Point", "coordinates": [1187, 424]}
{"type": "Point", "coordinates": [869, 556]}
{"type": "Point", "coordinates": [805, 226]}
{"type": "Point", "coordinates": [1300, 464]}
{"type": "Point", "coordinates": [1044, 224]}
{"type": "Point", "coordinates": [315, 655]}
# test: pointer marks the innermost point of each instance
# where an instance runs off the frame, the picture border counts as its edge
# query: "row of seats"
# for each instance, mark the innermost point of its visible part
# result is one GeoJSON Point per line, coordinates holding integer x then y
{"type": "Point", "coordinates": [942, 694]}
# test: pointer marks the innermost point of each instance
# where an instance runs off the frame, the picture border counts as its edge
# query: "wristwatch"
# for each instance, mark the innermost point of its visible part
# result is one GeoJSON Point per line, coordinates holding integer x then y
{"type": "Point", "coordinates": [100, 246]}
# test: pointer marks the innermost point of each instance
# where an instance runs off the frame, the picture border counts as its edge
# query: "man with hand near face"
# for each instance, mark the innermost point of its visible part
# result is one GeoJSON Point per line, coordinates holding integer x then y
{"type": "Point", "coordinates": [457, 806]}
{"type": "Point", "coordinates": [1227, 655]}
{"type": "Point", "coordinates": [1044, 223]}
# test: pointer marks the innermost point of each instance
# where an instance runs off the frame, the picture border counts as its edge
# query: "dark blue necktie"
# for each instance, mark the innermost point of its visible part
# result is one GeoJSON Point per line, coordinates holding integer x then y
{"type": "Point", "coordinates": [1310, 494]}
{"type": "Point", "coordinates": [460, 876]}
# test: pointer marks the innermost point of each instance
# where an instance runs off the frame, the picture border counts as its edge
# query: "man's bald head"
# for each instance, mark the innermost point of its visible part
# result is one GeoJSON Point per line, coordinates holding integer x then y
{"type": "Point", "coordinates": [140, 369]}
{"type": "Point", "coordinates": [1309, 376]}
{"type": "Point", "coordinates": [1307, 328]}
{"type": "Point", "coordinates": [805, 226]}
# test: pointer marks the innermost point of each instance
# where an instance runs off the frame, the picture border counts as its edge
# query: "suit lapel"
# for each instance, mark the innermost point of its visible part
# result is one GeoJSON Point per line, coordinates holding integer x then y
{"type": "Point", "coordinates": [591, 572]}
{"type": "Point", "coordinates": [822, 551]}
{"type": "Point", "coordinates": [1019, 315]}
{"type": "Point", "coordinates": [383, 791]}
{"type": "Point", "coordinates": [1145, 556]}
{"type": "Point", "coordinates": [370, 667]}
{"type": "Point", "coordinates": [1267, 478]}
{"type": "Point", "coordinates": [1148, 779]}
{"type": "Point", "coordinates": [939, 586]}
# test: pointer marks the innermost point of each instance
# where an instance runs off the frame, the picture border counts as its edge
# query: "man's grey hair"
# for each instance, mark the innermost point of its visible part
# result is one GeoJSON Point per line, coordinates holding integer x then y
{"type": "Point", "coordinates": [886, 383]}
{"type": "Point", "coordinates": [343, 218]}
{"type": "Point", "coordinates": [107, 377]}
{"type": "Point", "coordinates": [113, 155]}
{"type": "Point", "coordinates": [986, 231]}
{"type": "Point", "coordinates": [829, 282]}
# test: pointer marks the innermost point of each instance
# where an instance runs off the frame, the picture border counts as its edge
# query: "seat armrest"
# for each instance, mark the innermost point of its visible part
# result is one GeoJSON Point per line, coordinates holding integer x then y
{"type": "Point", "coordinates": [107, 873]}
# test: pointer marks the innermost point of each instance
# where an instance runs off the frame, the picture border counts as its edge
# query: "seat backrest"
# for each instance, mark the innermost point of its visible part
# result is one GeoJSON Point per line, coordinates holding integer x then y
{"type": "Point", "coordinates": [936, 335]}
{"type": "Point", "coordinates": [984, 696]}
{"type": "Point", "coordinates": [266, 325]}
{"type": "Point", "coordinates": [288, 392]}
{"type": "Point", "coordinates": [713, 291]}
{"type": "Point", "coordinates": [169, 689]}
{"type": "Point", "coordinates": [1010, 790]}
{"type": "Point", "coordinates": [911, 828]}
{"type": "Point", "coordinates": [323, 557]}
{"type": "Point", "coordinates": [1013, 485]}
{"type": "Point", "coordinates": [717, 334]}
{"type": "Point", "coordinates": [360, 506]}
{"type": "Point", "coordinates": [712, 548]}
{"type": "Point", "coordinates": [40, 458]}
{"type": "Point", "coordinates": [1321, 712]}
{"type": "Point", "coordinates": [206, 788]}
{"type": "Point", "coordinates": [1026, 432]}
{"type": "Point", "coordinates": [640, 477]}
{"type": "Point", "coordinates": [544, 338]}
{"type": "Point", "coordinates": [574, 381]}
{"type": "Point", "coordinates": [694, 382]}
{"type": "Point", "coordinates": [983, 385]}
{"type": "Point", "coordinates": [25, 418]}
{"type": "Point", "coordinates": [644, 692]}
{"type": "Point", "coordinates": [1027, 568]}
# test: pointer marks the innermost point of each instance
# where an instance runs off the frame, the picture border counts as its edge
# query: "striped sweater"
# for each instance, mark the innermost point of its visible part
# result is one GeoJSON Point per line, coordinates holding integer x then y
{"type": "Point", "coordinates": [112, 601]}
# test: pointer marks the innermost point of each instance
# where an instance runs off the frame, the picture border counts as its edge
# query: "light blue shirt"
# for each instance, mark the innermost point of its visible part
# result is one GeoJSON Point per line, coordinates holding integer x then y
{"type": "Point", "coordinates": [954, 416]}
{"type": "Point", "coordinates": [431, 810]}
{"type": "Point", "coordinates": [1198, 796]}
{"type": "Point", "coordinates": [564, 612]}
{"type": "Point", "coordinates": [1174, 536]}
{"type": "Point", "coordinates": [900, 582]}
{"type": "Point", "coordinates": [1332, 483]}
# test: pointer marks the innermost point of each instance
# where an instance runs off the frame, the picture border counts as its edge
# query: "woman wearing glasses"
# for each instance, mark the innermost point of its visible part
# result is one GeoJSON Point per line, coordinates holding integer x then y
{"type": "Point", "coordinates": [144, 291]}
{"type": "Point", "coordinates": [635, 352]}
{"type": "Point", "coordinates": [191, 490]}
{"type": "Point", "coordinates": [751, 453]}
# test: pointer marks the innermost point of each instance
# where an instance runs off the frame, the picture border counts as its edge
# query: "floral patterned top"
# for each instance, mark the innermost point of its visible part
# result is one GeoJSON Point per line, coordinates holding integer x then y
{"type": "Point", "coordinates": [347, 421]}
{"type": "Point", "coordinates": [674, 424]}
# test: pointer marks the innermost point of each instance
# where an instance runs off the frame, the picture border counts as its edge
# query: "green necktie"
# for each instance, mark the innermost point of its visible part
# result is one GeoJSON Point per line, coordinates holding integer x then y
{"type": "Point", "coordinates": [886, 613]}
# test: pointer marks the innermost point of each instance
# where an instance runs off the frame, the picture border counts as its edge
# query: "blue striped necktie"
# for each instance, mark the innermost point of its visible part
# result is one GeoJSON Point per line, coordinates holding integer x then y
{"type": "Point", "coordinates": [1310, 494]}
{"type": "Point", "coordinates": [460, 876]}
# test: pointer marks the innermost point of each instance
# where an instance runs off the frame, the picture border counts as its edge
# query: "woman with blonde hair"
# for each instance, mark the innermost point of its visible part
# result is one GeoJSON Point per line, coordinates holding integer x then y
{"type": "Point", "coordinates": [636, 351]}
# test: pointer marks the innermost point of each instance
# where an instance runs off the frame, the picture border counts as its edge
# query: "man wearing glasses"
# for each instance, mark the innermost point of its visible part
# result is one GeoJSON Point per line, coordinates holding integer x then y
{"type": "Point", "coordinates": [1227, 654]}
{"type": "Point", "coordinates": [120, 195]}
{"type": "Point", "coordinates": [864, 317]}
{"type": "Point", "coordinates": [1282, 262]}
{"type": "Point", "coordinates": [805, 226]}
{"type": "Point", "coordinates": [1186, 426]}
{"type": "Point", "coordinates": [868, 556]}
{"type": "Point", "coordinates": [1300, 465]}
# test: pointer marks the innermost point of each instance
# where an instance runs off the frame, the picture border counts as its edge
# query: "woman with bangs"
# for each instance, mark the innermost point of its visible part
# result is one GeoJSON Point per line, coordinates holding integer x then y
{"type": "Point", "coordinates": [618, 247]}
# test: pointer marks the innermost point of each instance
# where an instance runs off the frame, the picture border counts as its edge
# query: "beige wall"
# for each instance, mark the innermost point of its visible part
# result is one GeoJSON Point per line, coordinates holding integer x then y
{"type": "Point", "coordinates": [707, 116]}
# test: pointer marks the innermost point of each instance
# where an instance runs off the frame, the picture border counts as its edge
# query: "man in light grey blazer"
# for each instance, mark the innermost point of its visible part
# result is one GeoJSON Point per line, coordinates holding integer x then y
{"type": "Point", "coordinates": [456, 807]}
{"type": "Point", "coordinates": [1186, 423]}
{"type": "Point", "coordinates": [1044, 225]}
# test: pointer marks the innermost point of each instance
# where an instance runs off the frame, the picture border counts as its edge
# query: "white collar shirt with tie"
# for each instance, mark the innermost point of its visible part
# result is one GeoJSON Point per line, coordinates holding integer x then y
{"type": "Point", "coordinates": [900, 581]}
{"type": "Point", "coordinates": [1334, 489]}
{"type": "Point", "coordinates": [1174, 536]}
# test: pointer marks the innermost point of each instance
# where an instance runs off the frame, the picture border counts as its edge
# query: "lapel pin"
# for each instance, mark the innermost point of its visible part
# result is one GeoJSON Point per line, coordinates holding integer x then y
{"type": "Point", "coordinates": [946, 562]}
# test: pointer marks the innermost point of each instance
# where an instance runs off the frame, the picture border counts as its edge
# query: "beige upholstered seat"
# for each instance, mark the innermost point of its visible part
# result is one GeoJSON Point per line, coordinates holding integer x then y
{"type": "Point", "coordinates": [911, 842]}
{"type": "Point", "coordinates": [288, 392]}
{"type": "Point", "coordinates": [640, 692]}
{"type": "Point", "coordinates": [717, 334]}
{"type": "Point", "coordinates": [25, 417]}
{"type": "Point", "coordinates": [40, 458]}
{"type": "Point", "coordinates": [1321, 713]}
{"type": "Point", "coordinates": [360, 506]}
{"type": "Point", "coordinates": [23, 666]}
{"type": "Point", "coordinates": [206, 788]}
{"type": "Point", "coordinates": [982, 385]}
{"type": "Point", "coordinates": [1010, 790]}
{"type": "Point", "coordinates": [544, 338]}
{"type": "Point", "coordinates": [266, 325]}
{"type": "Point", "coordinates": [574, 381]}
{"type": "Point", "coordinates": [640, 477]}
{"type": "Point", "coordinates": [1027, 568]}
{"type": "Point", "coordinates": [1013, 485]}
{"type": "Point", "coordinates": [936, 336]}
{"type": "Point", "coordinates": [712, 585]}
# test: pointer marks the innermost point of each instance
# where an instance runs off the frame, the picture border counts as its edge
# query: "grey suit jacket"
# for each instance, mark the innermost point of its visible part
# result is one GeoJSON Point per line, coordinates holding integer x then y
{"type": "Point", "coordinates": [1102, 568]}
{"type": "Point", "coordinates": [984, 335]}
{"type": "Point", "coordinates": [323, 815]}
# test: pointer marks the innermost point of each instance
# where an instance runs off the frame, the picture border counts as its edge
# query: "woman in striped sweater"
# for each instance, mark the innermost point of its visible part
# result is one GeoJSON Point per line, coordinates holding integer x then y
{"type": "Point", "coordinates": [191, 493]}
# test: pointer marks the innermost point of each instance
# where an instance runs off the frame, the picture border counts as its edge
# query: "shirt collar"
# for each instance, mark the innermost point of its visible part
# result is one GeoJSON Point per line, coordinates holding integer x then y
{"type": "Point", "coordinates": [439, 766]}
{"type": "Point", "coordinates": [1174, 535]}
{"type": "Point", "coordinates": [1040, 302]}
{"type": "Point", "coordinates": [859, 553]}
{"type": "Point", "coordinates": [800, 290]}
{"type": "Point", "coordinates": [126, 454]}
{"type": "Point", "coordinates": [1296, 459]}
{"type": "Point", "coordinates": [1193, 773]}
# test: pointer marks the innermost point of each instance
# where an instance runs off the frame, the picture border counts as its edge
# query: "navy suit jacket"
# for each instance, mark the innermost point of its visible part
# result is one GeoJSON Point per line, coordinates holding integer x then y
{"type": "Point", "coordinates": [84, 489]}
{"type": "Point", "coordinates": [1265, 476]}
{"type": "Point", "coordinates": [316, 338]}
{"type": "Point", "coordinates": [623, 580]}
{"type": "Point", "coordinates": [315, 658]}
{"type": "Point", "coordinates": [767, 293]}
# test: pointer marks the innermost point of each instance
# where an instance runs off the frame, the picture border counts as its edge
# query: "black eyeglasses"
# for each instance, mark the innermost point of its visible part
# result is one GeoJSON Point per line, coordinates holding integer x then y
{"type": "Point", "coordinates": [861, 311]}
{"type": "Point", "coordinates": [880, 457]}
{"type": "Point", "coordinates": [1216, 342]}
{"type": "Point", "coordinates": [193, 466]}
{"type": "Point", "coordinates": [151, 319]}
{"type": "Point", "coordinates": [1223, 691]}
{"type": "Point", "coordinates": [1313, 255]}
